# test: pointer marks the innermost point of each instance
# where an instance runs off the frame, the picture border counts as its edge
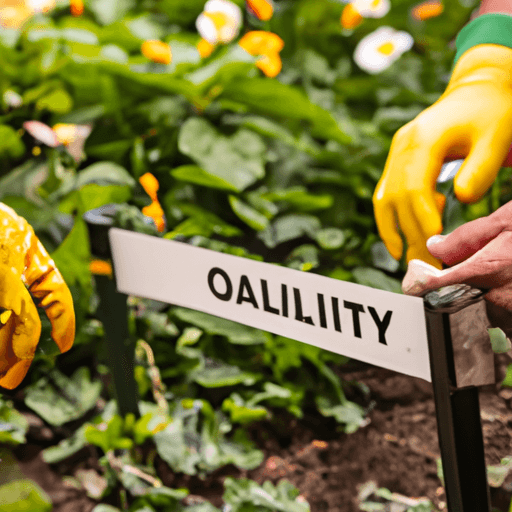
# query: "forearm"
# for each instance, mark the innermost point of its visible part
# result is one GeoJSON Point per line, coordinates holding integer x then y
{"type": "Point", "coordinates": [495, 6]}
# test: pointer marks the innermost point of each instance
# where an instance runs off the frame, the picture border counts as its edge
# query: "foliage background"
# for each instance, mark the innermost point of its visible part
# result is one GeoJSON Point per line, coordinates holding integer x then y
{"type": "Point", "coordinates": [278, 169]}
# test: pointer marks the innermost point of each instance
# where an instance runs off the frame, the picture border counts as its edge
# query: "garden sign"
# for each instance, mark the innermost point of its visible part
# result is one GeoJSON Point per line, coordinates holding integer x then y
{"type": "Point", "coordinates": [442, 339]}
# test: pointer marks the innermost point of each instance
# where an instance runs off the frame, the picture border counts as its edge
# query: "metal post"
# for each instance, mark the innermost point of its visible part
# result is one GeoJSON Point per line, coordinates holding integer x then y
{"type": "Point", "coordinates": [113, 313]}
{"type": "Point", "coordinates": [451, 331]}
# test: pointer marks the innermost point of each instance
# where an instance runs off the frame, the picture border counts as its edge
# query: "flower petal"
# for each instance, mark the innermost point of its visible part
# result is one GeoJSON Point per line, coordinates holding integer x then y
{"type": "Point", "coordinates": [157, 51]}
{"type": "Point", "coordinates": [42, 132]}
{"type": "Point", "coordinates": [262, 9]}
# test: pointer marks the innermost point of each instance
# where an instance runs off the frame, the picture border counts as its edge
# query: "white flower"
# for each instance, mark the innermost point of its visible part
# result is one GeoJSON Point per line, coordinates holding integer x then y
{"type": "Point", "coordinates": [12, 99]}
{"type": "Point", "coordinates": [372, 8]}
{"type": "Point", "coordinates": [378, 50]}
{"type": "Point", "coordinates": [220, 21]}
{"type": "Point", "coordinates": [40, 5]}
{"type": "Point", "coordinates": [71, 136]}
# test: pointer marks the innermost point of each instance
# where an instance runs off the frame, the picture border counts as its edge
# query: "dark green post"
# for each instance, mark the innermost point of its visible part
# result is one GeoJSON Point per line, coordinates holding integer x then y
{"type": "Point", "coordinates": [113, 313]}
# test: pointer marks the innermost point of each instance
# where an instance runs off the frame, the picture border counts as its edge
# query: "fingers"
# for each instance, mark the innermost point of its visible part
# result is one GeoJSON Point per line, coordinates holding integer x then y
{"type": "Point", "coordinates": [16, 373]}
{"type": "Point", "coordinates": [466, 240]}
{"type": "Point", "coordinates": [50, 292]}
{"type": "Point", "coordinates": [480, 169]}
{"type": "Point", "coordinates": [386, 224]}
{"type": "Point", "coordinates": [489, 268]}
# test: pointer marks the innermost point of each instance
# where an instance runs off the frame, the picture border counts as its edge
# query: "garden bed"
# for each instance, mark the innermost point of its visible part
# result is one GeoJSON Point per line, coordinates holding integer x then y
{"type": "Point", "coordinates": [397, 450]}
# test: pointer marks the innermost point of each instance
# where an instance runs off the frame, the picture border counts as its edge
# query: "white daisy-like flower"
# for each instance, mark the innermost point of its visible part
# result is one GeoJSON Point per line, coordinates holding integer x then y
{"type": "Point", "coordinates": [378, 50]}
{"type": "Point", "coordinates": [219, 22]}
{"type": "Point", "coordinates": [372, 8]}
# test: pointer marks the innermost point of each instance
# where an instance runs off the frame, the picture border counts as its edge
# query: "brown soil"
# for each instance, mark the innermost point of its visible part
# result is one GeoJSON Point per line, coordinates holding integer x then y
{"type": "Point", "coordinates": [397, 450]}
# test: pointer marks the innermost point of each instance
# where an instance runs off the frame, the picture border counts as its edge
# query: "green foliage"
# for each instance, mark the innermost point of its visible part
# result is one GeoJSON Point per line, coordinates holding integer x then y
{"type": "Point", "coordinates": [13, 425]}
{"type": "Point", "coordinates": [247, 496]}
{"type": "Point", "coordinates": [24, 495]}
{"type": "Point", "coordinates": [59, 399]}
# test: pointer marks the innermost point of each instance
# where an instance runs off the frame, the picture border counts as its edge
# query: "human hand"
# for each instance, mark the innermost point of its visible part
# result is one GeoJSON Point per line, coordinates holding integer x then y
{"type": "Point", "coordinates": [478, 253]}
{"type": "Point", "coordinates": [28, 278]}
{"type": "Point", "coordinates": [471, 120]}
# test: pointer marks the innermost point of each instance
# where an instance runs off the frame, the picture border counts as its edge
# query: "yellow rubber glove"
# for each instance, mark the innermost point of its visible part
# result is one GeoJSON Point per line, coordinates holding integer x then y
{"type": "Point", "coordinates": [28, 278]}
{"type": "Point", "coordinates": [471, 120]}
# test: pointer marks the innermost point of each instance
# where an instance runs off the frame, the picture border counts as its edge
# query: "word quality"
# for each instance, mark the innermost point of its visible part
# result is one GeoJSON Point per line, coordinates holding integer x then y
{"type": "Point", "coordinates": [376, 326]}
{"type": "Point", "coordinates": [245, 293]}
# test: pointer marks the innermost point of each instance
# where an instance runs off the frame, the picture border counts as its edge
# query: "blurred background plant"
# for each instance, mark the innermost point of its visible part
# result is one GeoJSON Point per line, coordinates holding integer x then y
{"type": "Point", "coordinates": [257, 128]}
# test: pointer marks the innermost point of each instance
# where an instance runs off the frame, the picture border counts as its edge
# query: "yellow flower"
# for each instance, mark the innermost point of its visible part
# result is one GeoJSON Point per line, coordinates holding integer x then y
{"type": "Point", "coordinates": [72, 136]}
{"type": "Point", "coordinates": [77, 7]}
{"type": "Point", "coordinates": [28, 278]}
{"type": "Point", "coordinates": [157, 51]}
{"type": "Point", "coordinates": [426, 10]}
{"type": "Point", "coordinates": [154, 210]}
{"type": "Point", "coordinates": [268, 46]}
{"type": "Point", "coordinates": [219, 22]}
{"type": "Point", "coordinates": [262, 9]}
{"type": "Point", "coordinates": [378, 50]}
{"type": "Point", "coordinates": [354, 12]}
{"type": "Point", "coordinates": [205, 48]}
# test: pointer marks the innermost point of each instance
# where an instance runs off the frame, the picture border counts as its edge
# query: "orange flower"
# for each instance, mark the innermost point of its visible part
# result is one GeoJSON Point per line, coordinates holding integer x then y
{"type": "Point", "coordinates": [157, 51]}
{"type": "Point", "coordinates": [350, 17]}
{"type": "Point", "coordinates": [154, 210]}
{"type": "Point", "coordinates": [77, 7]}
{"type": "Point", "coordinates": [268, 46]}
{"type": "Point", "coordinates": [100, 268]}
{"type": "Point", "coordinates": [262, 9]}
{"type": "Point", "coordinates": [426, 10]}
{"type": "Point", "coordinates": [205, 48]}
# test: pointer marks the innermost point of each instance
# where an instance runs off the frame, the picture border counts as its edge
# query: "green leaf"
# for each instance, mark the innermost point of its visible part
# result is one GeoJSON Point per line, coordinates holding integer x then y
{"type": "Point", "coordinates": [331, 238]}
{"type": "Point", "coordinates": [248, 214]}
{"type": "Point", "coordinates": [241, 412]}
{"type": "Point", "coordinates": [11, 144]}
{"type": "Point", "coordinates": [376, 279]}
{"type": "Point", "coordinates": [67, 447]}
{"type": "Point", "coordinates": [198, 176]}
{"type": "Point", "coordinates": [381, 258]}
{"type": "Point", "coordinates": [13, 425]}
{"type": "Point", "coordinates": [63, 398]}
{"type": "Point", "coordinates": [237, 160]}
{"type": "Point", "coordinates": [301, 199]}
{"type": "Point", "coordinates": [289, 227]}
{"type": "Point", "coordinates": [499, 341]}
{"type": "Point", "coordinates": [246, 495]}
{"type": "Point", "coordinates": [349, 413]}
{"type": "Point", "coordinates": [108, 12]}
{"type": "Point", "coordinates": [217, 374]}
{"type": "Point", "coordinates": [58, 102]}
{"type": "Point", "coordinates": [24, 495]}
{"type": "Point", "coordinates": [236, 333]}
{"type": "Point", "coordinates": [105, 173]}
{"type": "Point", "coordinates": [269, 96]}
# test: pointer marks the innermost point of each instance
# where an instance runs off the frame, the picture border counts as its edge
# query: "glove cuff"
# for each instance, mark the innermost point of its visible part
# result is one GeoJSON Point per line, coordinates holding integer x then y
{"type": "Point", "coordinates": [493, 28]}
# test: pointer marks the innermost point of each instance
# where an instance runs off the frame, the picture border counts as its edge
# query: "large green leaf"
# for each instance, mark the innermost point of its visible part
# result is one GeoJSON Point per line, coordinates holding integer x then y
{"type": "Point", "coordinates": [290, 227]}
{"type": "Point", "coordinates": [24, 495]}
{"type": "Point", "coordinates": [62, 398]}
{"type": "Point", "coordinates": [238, 159]}
{"type": "Point", "coordinates": [269, 96]}
{"type": "Point", "coordinates": [236, 333]}
{"type": "Point", "coordinates": [11, 144]}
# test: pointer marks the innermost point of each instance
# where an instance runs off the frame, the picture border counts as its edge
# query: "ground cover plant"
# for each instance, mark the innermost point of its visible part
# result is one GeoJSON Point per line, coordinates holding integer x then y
{"type": "Point", "coordinates": [252, 128]}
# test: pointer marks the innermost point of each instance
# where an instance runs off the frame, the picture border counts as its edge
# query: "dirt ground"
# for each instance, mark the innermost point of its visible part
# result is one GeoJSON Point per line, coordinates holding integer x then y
{"type": "Point", "coordinates": [397, 449]}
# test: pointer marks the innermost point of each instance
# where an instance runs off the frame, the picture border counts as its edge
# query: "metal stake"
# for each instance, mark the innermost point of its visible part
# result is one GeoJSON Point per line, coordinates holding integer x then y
{"type": "Point", "coordinates": [457, 408]}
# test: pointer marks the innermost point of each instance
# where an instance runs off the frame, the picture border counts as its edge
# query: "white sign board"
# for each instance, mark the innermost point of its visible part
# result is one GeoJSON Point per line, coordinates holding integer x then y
{"type": "Point", "coordinates": [382, 328]}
